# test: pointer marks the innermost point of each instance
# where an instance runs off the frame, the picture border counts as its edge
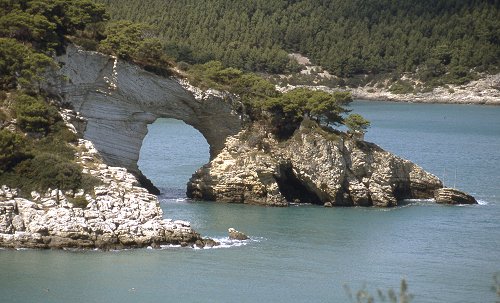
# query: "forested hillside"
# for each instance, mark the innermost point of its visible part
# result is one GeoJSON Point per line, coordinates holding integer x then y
{"type": "Point", "coordinates": [435, 38]}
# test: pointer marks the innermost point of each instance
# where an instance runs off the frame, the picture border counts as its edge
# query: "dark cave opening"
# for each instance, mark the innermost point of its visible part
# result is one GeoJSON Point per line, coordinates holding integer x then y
{"type": "Point", "coordinates": [293, 189]}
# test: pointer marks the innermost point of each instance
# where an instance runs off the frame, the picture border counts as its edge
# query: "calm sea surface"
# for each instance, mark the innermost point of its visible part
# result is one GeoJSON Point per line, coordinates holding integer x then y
{"type": "Point", "coordinates": [305, 253]}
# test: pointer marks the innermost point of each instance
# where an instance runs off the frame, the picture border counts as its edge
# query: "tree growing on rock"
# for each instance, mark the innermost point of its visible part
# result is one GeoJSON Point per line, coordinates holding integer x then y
{"type": "Point", "coordinates": [356, 124]}
{"type": "Point", "coordinates": [288, 110]}
{"type": "Point", "coordinates": [135, 42]}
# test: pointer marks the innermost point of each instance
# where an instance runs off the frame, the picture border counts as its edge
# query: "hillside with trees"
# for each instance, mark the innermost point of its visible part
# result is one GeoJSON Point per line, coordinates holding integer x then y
{"type": "Point", "coordinates": [37, 150]}
{"type": "Point", "coordinates": [438, 41]}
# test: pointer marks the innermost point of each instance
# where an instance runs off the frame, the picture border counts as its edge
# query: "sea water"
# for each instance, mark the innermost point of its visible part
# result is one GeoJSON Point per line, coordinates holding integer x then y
{"type": "Point", "coordinates": [301, 253]}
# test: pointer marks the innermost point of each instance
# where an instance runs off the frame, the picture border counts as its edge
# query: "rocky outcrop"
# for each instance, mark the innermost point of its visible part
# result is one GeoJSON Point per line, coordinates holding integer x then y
{"type": "Point", "coordinates": [236, 235]}
{"type": "Point", "coordinates": [117, 100]}
{"type": "Point", "coordinates": [313, 166]}
{"type": "Point", "coordinates": [453, 196]}
{"type": "Point", "coordinates": [119, 214]}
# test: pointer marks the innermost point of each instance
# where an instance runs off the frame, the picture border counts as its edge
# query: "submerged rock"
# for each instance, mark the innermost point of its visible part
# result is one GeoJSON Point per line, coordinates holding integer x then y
{"type": "Point", "coordinates": [236, 235]}
{"type": "Point", "coordinates": [313, 166]}
{"type": "Point", "coordinates": [453, 196]}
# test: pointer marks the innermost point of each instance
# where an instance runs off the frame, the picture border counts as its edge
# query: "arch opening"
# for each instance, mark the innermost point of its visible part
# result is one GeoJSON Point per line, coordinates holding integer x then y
{"type": "Point", "coordinates": [170, 153]}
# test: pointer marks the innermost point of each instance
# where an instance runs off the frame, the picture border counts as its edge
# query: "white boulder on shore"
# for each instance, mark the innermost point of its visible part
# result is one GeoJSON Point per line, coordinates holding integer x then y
{"type": "Point", "coordinates": [119, 214]}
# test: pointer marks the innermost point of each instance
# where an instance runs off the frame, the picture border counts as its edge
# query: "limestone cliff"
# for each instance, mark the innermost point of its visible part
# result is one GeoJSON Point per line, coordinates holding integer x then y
{"type": "Point", "coordinates": [117, 100]}
{"type": "Point", "coordinates": [313, 166]}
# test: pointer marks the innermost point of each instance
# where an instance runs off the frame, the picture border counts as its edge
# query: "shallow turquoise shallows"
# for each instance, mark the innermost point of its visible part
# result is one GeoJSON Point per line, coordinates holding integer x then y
{"type": "Point", "coordinates": [303, 253]}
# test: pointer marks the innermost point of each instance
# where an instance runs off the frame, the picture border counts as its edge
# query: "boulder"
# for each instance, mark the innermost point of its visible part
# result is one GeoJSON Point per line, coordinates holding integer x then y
{"type": "Point", "coordinates": [452, 196]}
{"type": "Point", "coordinates": [236, 235]}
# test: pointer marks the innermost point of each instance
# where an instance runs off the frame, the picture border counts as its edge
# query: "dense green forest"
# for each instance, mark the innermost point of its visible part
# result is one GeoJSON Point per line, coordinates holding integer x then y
{"type": "Point", "coordinates": [433, 38]}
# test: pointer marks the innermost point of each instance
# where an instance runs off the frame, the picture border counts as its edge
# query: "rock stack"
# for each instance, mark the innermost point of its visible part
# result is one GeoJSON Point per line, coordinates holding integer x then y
{"type": "Point", "coordinates": [236, 235]}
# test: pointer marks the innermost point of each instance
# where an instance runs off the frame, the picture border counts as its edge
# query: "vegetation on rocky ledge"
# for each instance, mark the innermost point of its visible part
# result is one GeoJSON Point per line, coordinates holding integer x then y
{"type": "Point", "coordinates": [36, 148]}
{"type": "Point", "coordinates": [283, 111]}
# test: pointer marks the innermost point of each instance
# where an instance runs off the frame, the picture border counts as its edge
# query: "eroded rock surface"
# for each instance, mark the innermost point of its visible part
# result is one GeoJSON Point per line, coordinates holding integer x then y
{"type": "Point", "coordinates": [453, 196]}
{"type": "Point", "coordinates": [313, 166]}
{"type": "Point", "coordinates": [117, 101]}
{"type": "Point", "coordinates": [120, 214]}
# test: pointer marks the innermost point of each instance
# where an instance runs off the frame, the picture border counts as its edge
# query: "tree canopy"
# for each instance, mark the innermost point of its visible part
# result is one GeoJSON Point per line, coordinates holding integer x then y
{"type": "Point", "coordinates": [44, 23]}
{"type": "Point", "coordinates": [261, 101]}
{"type": "Point", "coordinates": [446, 39]}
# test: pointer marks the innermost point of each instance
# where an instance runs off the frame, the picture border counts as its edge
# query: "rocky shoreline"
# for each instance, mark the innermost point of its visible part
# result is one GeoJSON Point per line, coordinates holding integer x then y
{"type": "Point", "coordinates": [119, 214]}
{"type": "Point", "coordinates": [485, 91]}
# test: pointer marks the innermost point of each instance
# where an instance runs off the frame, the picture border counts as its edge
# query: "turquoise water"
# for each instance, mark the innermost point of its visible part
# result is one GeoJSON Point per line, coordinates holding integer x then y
{"type": "Point", "coordinates": [306, 253]}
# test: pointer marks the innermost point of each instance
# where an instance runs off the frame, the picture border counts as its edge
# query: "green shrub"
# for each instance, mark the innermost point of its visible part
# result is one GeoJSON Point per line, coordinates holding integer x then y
{"type": "Point", "coordinates": [79, 202]}
{"type": "Point", "coordinates": [13, 149]}
{"type": "Point", "coordinates": [50, 171]}
{"type": "Point", "coordinates": [34, 114]}
{"type": "Point", "coordinates": [21, 65]}
{"type": "Point", "coordinates": [3, 116]}
{"type": "Point", "coordinates": [402, 87]}
{"type": "Point", "coordinates": [136, 42]}
{"type": "Point", "coordinates": [356, 124]}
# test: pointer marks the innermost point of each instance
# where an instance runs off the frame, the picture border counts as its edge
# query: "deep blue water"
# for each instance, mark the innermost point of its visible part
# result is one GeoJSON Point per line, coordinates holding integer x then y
{"type": "Point", "coordinates": [306, 253]}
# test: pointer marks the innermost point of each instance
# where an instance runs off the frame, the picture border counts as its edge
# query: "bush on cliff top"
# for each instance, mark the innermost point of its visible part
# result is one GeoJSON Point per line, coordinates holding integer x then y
{"type": "Point", "coordinates": [261, 100]}
{"type": "Point", "coordinates": [34, 114]}
{"type": "Point", "coordinates": [135, 42]}
{"type": "Point", "coordinates": [22, 66]}
{"type": "Point", "coordinates": [13, 150]}
{"type": "Point", "coordinates": [45, 23]}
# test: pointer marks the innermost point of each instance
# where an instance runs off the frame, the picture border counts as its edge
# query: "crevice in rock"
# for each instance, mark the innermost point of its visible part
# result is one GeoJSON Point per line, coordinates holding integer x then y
{"type": "Point", "coordinates": [402, 190]}
{"type": "Point", "coordinates": [292, 188]}
{"type": "Point", "coordinates": [146, 183]}
{"type": "Point", "coordinates": [343, 197]}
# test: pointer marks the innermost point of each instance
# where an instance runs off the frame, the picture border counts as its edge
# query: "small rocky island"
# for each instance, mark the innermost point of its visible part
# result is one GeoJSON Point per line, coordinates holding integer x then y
{"type": "Point", "coordinates": [312, 166]}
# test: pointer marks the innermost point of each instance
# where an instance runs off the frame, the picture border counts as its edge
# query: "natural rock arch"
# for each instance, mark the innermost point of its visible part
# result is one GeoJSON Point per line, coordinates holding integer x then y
{"type": "Point", "coordinates": [117, 101]}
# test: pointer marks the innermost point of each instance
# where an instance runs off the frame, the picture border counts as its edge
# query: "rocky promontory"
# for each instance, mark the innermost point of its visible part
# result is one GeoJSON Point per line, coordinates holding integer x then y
{"type": "Point", "coordinates": [118, 214]}
{"type": "Point", "coordinates": [313, 166]}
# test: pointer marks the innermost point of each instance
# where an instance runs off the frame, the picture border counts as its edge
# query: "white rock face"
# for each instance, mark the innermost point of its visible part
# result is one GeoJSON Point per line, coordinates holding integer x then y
{"type": "Point", "coordinates": [119, 214]}
{"type": "Point", "coordinates": [118, 100]}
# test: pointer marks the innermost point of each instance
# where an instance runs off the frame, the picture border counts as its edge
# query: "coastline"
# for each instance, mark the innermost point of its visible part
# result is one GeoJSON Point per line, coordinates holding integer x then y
{"type": "Point", "coordinates": [118, 215]}
{"type": "Point", "coordinates": [485, 91]}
